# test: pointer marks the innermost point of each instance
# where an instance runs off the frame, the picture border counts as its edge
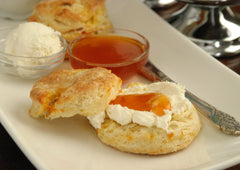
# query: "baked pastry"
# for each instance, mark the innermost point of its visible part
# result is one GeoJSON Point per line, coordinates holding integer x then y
{"type": "Point", "coordinates": [143, 118]}
{"type": "Point", "coordinates": [66, 93]}
{"type": "Point", "coordinates": [145, 132]}
{"type": "Point", "coordinates": [140, 139]}
{"type": "Point", "coordinates": [72, 18]}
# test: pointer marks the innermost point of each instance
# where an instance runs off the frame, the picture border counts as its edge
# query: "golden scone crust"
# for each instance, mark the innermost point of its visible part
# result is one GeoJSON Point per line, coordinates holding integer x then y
{"type": "Point", "coordinates": [72, 17]}
{"type": "Point", "coordinates": [68, 92]}
{"type": "Point", "coordinates": [139, 139]}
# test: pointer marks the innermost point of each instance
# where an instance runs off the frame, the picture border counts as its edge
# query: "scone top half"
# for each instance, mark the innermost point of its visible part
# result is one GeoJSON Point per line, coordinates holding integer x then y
{"type": "Point", "coordinates": [66, 93]}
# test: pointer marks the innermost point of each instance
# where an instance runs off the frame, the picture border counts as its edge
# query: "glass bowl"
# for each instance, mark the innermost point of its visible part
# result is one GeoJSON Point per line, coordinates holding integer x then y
{"type": "Point", "coordinates": [28, 67]}
{"type": "Point", "coordinates": [99, 55]}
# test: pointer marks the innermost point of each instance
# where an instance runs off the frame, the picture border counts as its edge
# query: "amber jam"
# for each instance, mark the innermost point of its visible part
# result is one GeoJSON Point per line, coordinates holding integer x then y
{"type": "Point", "coordinates": [123, 55]}
{"type": "Point", "coordinates": [154, 102]}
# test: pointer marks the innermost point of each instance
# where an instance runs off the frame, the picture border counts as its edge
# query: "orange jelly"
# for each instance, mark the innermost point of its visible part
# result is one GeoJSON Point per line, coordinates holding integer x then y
{"type": "Point", "coordinates": [123, 55]}
{"type": "Point", "coordinates": [154, 102]}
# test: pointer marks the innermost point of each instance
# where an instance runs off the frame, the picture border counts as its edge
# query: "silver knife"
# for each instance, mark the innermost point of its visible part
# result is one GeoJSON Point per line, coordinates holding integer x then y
{"type": "Point", "coordinates": [225, 122]}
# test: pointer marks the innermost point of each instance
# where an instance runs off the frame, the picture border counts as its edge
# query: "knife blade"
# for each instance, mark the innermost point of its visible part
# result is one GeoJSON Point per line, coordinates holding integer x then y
{"type": "Point", "coordinates": [224, 121]}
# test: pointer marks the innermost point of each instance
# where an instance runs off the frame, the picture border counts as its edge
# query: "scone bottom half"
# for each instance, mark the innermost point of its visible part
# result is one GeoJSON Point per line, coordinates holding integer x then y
{"type": "Point", "coordinates": [138, 139]}
{"type": "Point", "coordinates": [133, 137]}
{"type": "Point", "coordinates": [67, 93]}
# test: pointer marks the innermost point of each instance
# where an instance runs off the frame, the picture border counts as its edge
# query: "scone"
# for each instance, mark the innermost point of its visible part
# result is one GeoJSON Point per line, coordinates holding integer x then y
{"type": "Point", "coordinates": [140, 139]}
{"type": "Point", "coordinates": [72, 18]}
{"type": "Point", "coordinates": [66, 93]}
{"type": "Point", "coordinates": [149, 119]}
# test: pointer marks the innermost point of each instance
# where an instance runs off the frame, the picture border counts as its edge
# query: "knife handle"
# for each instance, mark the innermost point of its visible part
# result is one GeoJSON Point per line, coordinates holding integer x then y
{"type": "Point", "coordinates": [222, 120]}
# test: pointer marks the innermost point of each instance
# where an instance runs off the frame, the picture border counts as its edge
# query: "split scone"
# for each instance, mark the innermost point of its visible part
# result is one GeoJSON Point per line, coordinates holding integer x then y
{"type": "Point", "coordinates": [143, 118]}
{"type": "Point", "coordinates": [148, 119]}
{"type": "Point", "coordinates": [66, 93]}
{"type": "Point", "coordinates": [72, 18]}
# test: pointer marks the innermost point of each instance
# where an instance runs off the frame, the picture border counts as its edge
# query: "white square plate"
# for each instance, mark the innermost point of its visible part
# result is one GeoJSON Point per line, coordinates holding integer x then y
{"type": "Point", "coordinates": [72, 143]}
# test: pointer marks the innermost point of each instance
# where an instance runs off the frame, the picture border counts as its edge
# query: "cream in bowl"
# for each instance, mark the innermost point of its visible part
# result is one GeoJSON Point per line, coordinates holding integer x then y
{"type": "Point", "coordinates": [31, 50]}
{"type": "Point", "coordinates": [122, 51]}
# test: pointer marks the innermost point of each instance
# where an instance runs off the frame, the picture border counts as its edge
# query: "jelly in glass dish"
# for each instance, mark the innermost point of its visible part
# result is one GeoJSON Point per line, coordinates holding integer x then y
{"type": "Point", "coordinates": [122, 51]}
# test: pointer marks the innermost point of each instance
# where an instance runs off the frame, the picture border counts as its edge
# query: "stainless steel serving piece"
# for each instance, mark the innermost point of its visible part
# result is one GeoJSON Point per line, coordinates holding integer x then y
{"type": "Point", "coordinates": [225, 122]}
{"type": "Point", "coordinates": [159, 3]}
{"type": "Point", "coordinates": [211, 24]}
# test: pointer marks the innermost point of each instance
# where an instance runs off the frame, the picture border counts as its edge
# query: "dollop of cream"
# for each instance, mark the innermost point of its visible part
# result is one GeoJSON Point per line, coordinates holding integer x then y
{"type": "Point", "coordinates": [97, 119]}
{"type": "Point", "coordinates": [124, 115]}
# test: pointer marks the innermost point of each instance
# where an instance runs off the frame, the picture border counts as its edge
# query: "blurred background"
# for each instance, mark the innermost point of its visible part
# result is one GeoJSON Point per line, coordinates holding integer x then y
{"type": "Point", "coordinates": [214, 25]}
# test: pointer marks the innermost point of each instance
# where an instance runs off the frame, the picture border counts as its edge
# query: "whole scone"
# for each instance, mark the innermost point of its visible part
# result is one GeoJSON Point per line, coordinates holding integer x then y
{"type": "Point", "coordinates": [72, 18]}
{"type": "Point", "coordinates": [66, 93]}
